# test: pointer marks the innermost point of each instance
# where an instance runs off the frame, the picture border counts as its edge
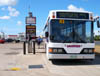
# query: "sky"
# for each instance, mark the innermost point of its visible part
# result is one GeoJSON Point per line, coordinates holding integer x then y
{"type": "Point", "coordinates": [13, 12]}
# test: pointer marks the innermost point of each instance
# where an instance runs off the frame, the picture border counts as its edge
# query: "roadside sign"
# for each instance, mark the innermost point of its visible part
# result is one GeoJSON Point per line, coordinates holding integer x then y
{"type": "Point", "coordinates": [30, 20]}
{"type": "Point", "coordinates": [30, 32]}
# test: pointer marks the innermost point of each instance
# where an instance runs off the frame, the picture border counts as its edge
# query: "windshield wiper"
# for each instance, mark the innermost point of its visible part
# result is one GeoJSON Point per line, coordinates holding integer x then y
{"type": "Point", "coordinates": [81, 40]}
{"type": "Point", "coordinates": [66, 41]}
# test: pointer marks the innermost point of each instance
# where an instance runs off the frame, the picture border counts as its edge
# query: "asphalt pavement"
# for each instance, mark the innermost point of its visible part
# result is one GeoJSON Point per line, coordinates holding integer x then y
{"type": "Point", "coordinates": [11, 56]}
{"type": "Point", "coordinates": [97, 42]}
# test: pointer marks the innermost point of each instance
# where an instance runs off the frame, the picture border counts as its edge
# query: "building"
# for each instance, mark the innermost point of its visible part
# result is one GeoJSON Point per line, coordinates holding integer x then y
{"type": "Point", "coordinates": [21, 36]}
{"type": "Point", "coordinates": [2, 36]}
{"type": "Point", "coordinates": [14, 37]}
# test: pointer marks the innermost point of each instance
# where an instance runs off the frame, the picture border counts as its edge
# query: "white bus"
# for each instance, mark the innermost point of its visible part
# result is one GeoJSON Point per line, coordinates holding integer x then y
{"type": "Point", "coordinates": [70, 35]}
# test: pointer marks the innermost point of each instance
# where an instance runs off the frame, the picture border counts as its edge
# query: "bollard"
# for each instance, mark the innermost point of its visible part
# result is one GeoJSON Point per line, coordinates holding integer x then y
{"type": "Point", "coordinates": [33, 47]}
{"type": "Point", "coordinates": [24, 48]}
{"type": "Point", "coordinates": [29, 47]}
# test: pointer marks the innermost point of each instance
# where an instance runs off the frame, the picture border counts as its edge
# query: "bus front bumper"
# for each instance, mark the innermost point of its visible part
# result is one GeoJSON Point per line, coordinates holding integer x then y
{"type": "Point", "coordinates": [71, 56]}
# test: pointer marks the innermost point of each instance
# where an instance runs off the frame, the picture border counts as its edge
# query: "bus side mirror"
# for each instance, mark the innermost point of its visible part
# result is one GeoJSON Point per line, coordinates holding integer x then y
{"type": "Point", "coordinates": [46, 34]}
{"type": "Point", "coordinates": [98, 24]}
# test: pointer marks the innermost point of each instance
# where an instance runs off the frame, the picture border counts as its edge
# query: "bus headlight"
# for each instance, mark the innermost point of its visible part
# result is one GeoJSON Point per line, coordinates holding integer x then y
{"type": "Point", "coordinates": [54, 50]}
{"type": "Point", "coordinates": [90, 50]}
{"type": "Point", "coordinates": [86, 50]}
{"type": "Point", "coordinates": [60, 50]}
{"type": "Point", "coordinates": [57, 51]}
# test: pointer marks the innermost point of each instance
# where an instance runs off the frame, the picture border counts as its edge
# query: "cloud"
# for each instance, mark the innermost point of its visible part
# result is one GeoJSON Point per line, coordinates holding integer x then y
{"type": "Point", "coordinates": [72, 7]}
{"type": "Point", "coordinates": [19, 23]}
{"type": "Point", "coordinates": [3, 9]}
{"type": "Point", "coordinates": [5, 17]}
{"type": "Point", "coordinates": [7, 2]}
{"type": "Point", "coordinates": [13, 12]}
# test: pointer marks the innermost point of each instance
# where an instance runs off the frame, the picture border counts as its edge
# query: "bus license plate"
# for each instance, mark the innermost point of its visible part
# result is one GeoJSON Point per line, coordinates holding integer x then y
{"type": "Point", "coordinates": [73, 57]}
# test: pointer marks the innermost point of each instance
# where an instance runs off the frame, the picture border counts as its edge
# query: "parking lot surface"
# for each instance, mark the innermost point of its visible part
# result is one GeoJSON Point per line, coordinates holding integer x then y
{"type": "Point", "coordinates": [11, 56]}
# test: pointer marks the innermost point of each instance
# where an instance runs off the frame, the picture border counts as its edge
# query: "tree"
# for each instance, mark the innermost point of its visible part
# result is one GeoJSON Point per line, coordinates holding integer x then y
{"type": "Point", "coordinates": [97, 38]}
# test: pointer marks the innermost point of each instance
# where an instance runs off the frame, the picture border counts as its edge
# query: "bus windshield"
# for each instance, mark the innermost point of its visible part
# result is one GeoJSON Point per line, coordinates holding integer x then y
{"type": "Point", "coordinates": [69, 31]}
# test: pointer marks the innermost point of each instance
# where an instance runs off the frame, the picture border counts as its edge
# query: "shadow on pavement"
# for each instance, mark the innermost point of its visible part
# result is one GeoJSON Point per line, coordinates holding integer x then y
{"type": "Point", "coordinates": [12, 53]}
{"type": "Point", "coordinates": [41, 52]}
{"type": "Point", "coordinates": [16, 48]}
{"type": "Point", "coordinates": [96, 61]}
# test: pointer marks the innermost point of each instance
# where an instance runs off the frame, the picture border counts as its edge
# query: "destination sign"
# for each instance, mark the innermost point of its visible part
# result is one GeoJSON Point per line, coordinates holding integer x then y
{"type": "Point", "coordinates": [73, 15]}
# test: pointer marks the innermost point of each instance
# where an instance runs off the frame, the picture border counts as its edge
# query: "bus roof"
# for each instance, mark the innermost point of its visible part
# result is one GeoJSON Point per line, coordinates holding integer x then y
{"type": "Point", "coordinates": [77, 11]}
{"type": "Point", "coordinates": [69, 11]}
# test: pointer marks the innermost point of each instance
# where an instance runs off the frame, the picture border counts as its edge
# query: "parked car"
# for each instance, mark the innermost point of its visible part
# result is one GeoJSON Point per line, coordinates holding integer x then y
{"type": "Point", "coordinates": [17, 41]}
{"type": "Point", "coordinates": [9, 40]}
{"type": "Point", "coordinates": [2, 41]}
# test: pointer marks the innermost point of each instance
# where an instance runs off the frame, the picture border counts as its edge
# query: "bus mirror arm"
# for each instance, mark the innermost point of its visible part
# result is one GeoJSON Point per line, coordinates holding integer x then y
{"type": "Point", "coordinates": [98, 23]}
{"type": "Point", "coordinates": [97, 19]}
{"type": "Point", "coordinates": [46, 34]}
